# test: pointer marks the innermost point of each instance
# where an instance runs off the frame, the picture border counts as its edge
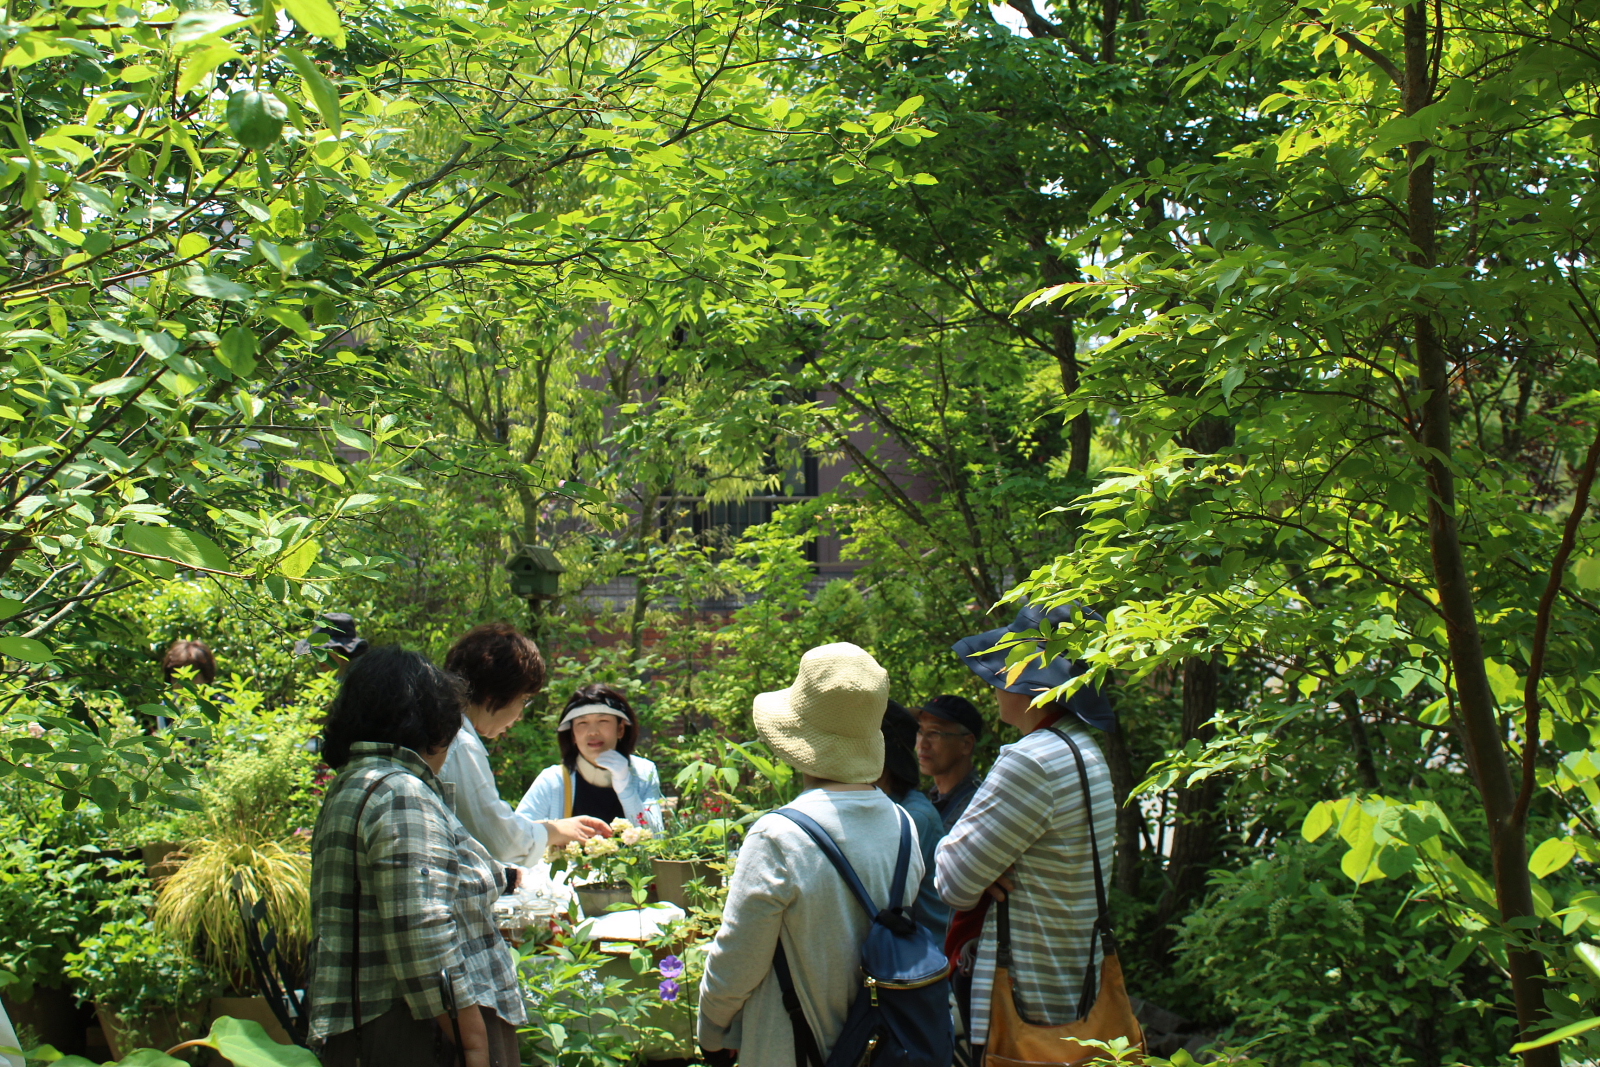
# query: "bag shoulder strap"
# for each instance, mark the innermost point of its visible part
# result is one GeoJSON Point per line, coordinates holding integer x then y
{"type": "Point", "coordinates": [355, 910]}
{"type": "Point", "coordinates": [568, 790]}
{"type": "Point", "coordinates": [830, 849]}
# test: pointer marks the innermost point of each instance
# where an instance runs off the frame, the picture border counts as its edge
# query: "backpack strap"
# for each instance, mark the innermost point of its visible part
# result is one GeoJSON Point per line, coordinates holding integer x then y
{"type": "Point", "coordinates": [830, 849]}
{"type": "Point", "coordinates": [806, 1053]}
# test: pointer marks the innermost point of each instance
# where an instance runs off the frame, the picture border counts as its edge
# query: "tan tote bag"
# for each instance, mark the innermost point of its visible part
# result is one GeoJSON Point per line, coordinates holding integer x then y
{"type": "Point", "coordinates": [1015, 1042]}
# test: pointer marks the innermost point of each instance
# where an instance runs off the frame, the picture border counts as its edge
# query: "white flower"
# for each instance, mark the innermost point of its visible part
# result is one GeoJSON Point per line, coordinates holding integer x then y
{"type": "Point", "coordinates": [619, 825]}
{"type": "Point", "coordinates": [633, 835]}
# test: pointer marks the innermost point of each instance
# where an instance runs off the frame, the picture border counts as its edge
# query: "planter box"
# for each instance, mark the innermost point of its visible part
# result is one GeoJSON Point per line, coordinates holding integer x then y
{"type": "Point", "coordinates": [155, 859]}
{"type": "Point", "coordinates": [53, 1014]}
{"type": "Point", "coordinates": [159, 1030]}
{"type": "Point", "coordinates": [673, 875]}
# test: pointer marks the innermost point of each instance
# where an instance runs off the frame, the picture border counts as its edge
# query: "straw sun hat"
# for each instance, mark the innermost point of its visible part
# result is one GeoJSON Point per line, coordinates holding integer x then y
{"type": "Point", "coordinates": [827, 724]}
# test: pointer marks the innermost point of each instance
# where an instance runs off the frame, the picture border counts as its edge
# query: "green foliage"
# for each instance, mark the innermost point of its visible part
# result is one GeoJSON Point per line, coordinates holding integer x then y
{"type": "Point", "coordinates": [53, 895]}
{"type": "Point", "coordinates": [129, 969]}
{"type": "Point", "coordinates": [1316, 973]}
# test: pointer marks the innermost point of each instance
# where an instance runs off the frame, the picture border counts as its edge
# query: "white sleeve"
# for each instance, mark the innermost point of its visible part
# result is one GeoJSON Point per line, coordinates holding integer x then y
{"type": "Point", "coordinates": [641, 803]}
{"type": "Point", "coordinates": [510, 836]}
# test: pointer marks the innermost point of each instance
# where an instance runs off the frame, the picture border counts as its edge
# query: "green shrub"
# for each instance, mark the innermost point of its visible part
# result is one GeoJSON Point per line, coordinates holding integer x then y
{"type": "Point", "coordinates": [130, 969]}
{"type": "Point", "coordinates": [51, 898]}
{"type": "Point", "coordinates": [1314, 972]}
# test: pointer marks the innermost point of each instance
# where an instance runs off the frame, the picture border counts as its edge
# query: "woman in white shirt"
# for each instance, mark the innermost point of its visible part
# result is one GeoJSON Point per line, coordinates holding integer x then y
{"type": "Point", "coordinates": [502, 670]}
{"type": "Point", "coordinates": [598, 776]}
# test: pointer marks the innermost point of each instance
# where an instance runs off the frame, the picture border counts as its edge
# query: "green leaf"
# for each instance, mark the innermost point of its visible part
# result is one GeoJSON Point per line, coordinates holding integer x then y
{"type": "Point", "coordinates": [216, 287]}
{"type": "Point", "coordinates": [1586, 572]}
{"type": "Point", "coordinates": [256, 118]}
{"type": "Point", "coordinates": [115, 387]}
{"type": "Point", "coordinates": [288, 317]}
{"type": "Point", "coordinates": [112, 332]}
{"type": "Point", "coordinates": [246, 1043]}
{"type": "Point", "coordinates": [1589, 956]}
{"type": "Point", "coordinates": [26, 649]}
{"type": "Point", "coordinates": [322, 91]}
{"type": "Point", "coordinates": [10, 607]}
{"type": "Point", "coordinates": [238, 351]}
{"type": "Point", "coordinates": [202, 63]}
{"type": "Point", "coordinates": [194, 25]}
{"type": "Point", "coordinates": [1551, 856]}
{"type": "Point", "coordinates": [1572, 1030]}
{"type": "Point", "coordinates": [319, 468]}
{"type": "Point", "coordinates": [285, 257]}
{"type": "Point", "coordinates": [181, 546]}
{"type": "Point", "coordinates": [297, 561]}
{"type": "Point", "coordinates": [148, 1057]}
{"type": "Point", "coordinates": [352, 437]}
{"type": "Point", "coordinates": [1319, 820]}
{"type": "Point", "coordinates": [317, 17]}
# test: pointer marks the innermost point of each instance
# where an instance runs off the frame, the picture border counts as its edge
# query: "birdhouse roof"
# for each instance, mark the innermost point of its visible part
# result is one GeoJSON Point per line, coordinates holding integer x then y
{"type": "Point", "coordinates": [536, 557]}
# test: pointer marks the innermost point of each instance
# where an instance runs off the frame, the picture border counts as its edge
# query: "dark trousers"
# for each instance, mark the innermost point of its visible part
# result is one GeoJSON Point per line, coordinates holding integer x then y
{"type": "Point", "coordinates": [395, 1039]}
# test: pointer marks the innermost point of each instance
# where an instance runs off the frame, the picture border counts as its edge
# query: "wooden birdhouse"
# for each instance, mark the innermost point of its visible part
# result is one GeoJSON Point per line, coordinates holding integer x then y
{"type": "Point", "coordinates": [535, 572]}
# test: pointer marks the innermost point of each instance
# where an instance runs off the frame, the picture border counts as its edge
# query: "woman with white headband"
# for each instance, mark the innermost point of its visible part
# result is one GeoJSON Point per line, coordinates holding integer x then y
{"type": "Point", "coordinates": [598, 774]}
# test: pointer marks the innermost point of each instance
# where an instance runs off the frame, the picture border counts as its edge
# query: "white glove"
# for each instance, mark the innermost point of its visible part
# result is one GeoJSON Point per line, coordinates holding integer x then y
{"type": "Point", "coordinates": [617, 764]}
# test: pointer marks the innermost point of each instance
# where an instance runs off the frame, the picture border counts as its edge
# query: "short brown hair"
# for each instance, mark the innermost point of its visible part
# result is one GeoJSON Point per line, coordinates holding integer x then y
{"type": "Point", "coordinates": [196, 654]}
{"type": "Point", "coordinates": [611, 697]}
{"type": "Point", "coordinates": [498, 662]}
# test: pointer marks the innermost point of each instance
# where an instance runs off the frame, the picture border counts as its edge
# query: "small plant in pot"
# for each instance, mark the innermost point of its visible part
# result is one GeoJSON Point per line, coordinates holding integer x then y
{"type": "Point", "coordinates": [608, 871]}
{"type": "Point", "coordinates": [148, 991]}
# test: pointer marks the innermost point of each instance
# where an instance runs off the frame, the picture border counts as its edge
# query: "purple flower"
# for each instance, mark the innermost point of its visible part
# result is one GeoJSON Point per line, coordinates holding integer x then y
{"type": "Point", "coordinates": [669, 990]}
{"type": "Point", "coordinates": [671, 967]}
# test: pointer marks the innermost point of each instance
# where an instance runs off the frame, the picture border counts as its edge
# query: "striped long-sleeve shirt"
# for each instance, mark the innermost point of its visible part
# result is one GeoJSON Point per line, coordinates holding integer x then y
{"type": "Point", "coordinates": [1030, 815]}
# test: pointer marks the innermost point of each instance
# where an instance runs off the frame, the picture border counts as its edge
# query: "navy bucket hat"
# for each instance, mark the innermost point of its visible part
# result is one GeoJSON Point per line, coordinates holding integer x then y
{"type": "Point", "coordinates": [1088, 703]}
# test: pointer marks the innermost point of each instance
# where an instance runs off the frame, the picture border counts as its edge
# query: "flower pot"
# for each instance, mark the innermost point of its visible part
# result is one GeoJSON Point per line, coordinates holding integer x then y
{"type": "Point", "coordinates": [673, 875]}
{"type": "Point", "coordinates": [597, 899]}
{"type": "Point", "coordinates": [157, 1028]}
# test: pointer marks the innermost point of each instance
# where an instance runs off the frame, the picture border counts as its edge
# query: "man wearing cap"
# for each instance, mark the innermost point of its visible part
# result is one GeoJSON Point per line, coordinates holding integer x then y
{"type": "Point", "coordinates": [1025, 836]}
{"type": "Point", "coordinates": [784, 894]}
{"type": "Point", "coordinates": [340, 641]}
{"type": "Point", "coordinates": [948, 729]}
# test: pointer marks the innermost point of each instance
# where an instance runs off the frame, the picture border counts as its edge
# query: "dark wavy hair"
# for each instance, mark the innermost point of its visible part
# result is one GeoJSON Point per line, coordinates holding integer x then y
{"type": "Point", "coordinates": [393, 697]}
{"type": "Point", "coordinates": [611, 697]}
{"type": "Point", "coordinates": [498, 663]}
{"type": "Point", "coordinates": [900, 750]}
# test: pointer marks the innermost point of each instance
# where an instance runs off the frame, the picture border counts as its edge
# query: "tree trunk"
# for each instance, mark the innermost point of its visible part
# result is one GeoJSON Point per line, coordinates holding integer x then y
{"type": "Point", "coordinates": [1194, 833]}
{"type": "Point", "coordinates": [1064, 340]}
{"type": "Point", "coordinates": [1360, 744]}
{"type": "Point", "coordinates": [1124, 776]}
{"type": "Point", "coordinates": [1480, 727]}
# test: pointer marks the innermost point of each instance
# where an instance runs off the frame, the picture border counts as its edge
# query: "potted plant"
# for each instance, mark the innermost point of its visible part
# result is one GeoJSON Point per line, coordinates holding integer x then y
{"type": "Point", "coordinates": [247, 839]}
{"type": "Point", "coordinates": [50, 899]}
{"type": "Point", "coordinates": [698, 833]}
{"type": "Point", "coordinates": [608, 871]}
{"type": "Point", "coordinates": [148, 992]}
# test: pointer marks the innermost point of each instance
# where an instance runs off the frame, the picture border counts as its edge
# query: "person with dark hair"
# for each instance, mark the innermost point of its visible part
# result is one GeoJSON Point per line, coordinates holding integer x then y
{"type": "Point", "coordinates": [407, 959]}
{"type": "Point", "coordinates": [948, 733]}
{"type": "Point", "coordinates": [900, 780]}
{"type": "Point", "coordinates": [598, 774]}
{"type": "Point", "coordinates": [195, 654]}
{"type": "Point", "coordinates": [502, 670]}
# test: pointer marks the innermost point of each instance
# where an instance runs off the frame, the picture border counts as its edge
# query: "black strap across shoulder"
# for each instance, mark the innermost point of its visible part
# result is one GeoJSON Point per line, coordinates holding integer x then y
{"type": "Point", "coordinates": [806, 1051]}
{"type": "Point", "coordinates": [1101, 933]}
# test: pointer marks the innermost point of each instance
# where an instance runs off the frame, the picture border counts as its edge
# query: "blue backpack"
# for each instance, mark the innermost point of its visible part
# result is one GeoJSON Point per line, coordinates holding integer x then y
{"type": "Point", "coordinates": [901, 1017]}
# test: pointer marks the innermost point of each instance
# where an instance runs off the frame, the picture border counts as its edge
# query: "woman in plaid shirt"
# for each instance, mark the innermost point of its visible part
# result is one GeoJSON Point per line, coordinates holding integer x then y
{"type": "Point", "coordinates": [401, 894]}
